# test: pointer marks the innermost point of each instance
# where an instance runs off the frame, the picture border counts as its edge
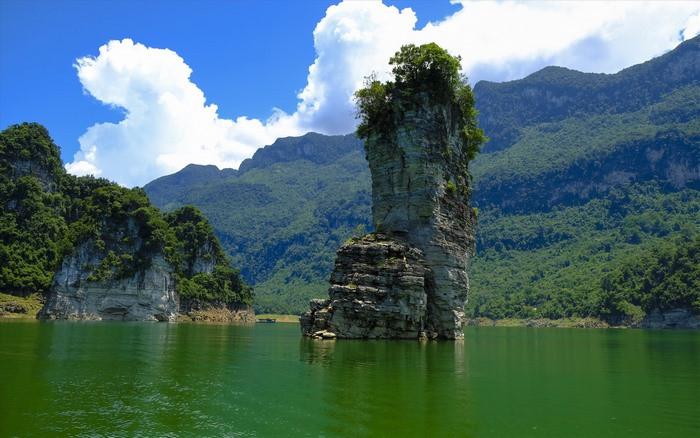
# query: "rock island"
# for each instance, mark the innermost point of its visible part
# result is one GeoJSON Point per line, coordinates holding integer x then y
{"type": "Point", "coordinates": [408, 279]}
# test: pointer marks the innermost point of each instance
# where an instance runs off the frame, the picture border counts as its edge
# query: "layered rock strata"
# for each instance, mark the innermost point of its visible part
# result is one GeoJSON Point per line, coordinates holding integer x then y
{"type": "Point", "coordinates": [377, 291]}
{"type": "Point", "coordinates": [411, 279]}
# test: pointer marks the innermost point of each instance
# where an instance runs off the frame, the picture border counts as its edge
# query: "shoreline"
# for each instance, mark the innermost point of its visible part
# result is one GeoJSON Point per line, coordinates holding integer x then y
{"type": "Point", "coordinates": [27, 308]}
{"type": "Point", "coordinates": [540, 323]}
{"type": "Point", "coordinates": [14, 307]}
{"type": "Point", "coordinates": [678, 319]}
{"type": "Point", "coordinates": [280, 317]}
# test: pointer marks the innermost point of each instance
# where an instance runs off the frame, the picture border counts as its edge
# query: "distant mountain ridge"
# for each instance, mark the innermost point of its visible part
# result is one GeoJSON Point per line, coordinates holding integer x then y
{"type": "Point", "coordinates": [555, 93]}
{"type": "Point", "coordinates": [585, 174]}
{"type": "Point", "coordinates": [317, 148]}
{"type": "Point", "coordinates": [313, 147]}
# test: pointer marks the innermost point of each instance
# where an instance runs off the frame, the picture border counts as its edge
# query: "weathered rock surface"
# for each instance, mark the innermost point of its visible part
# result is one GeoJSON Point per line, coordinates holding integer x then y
{"type": "Point", "coordinates": [148, 295]}
{"type": "Point", "coordinates": [377, 291]}
{"type": "Point", "coordinates": [675, 318]}
{"type": "Point", "coordinates": [411, 279]}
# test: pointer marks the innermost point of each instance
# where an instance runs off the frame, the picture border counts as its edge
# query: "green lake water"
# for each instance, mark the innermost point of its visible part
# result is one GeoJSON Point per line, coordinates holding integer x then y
{"type": "Point", "coordinates": [155, 379]}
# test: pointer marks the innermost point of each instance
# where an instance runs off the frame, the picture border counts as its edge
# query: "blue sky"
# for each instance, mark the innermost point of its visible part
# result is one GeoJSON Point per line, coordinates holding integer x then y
{"type": "Point", "coordinates": [248, 57]}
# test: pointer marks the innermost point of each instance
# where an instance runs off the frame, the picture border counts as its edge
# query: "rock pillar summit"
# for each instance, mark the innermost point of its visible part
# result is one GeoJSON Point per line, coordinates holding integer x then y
{"type": "Point", "coordinates": [408, 279]}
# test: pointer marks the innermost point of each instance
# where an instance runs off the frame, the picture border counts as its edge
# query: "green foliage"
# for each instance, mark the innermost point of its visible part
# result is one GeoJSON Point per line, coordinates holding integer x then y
{"type": "Point", "coordinates": [194, 239]}
{"type": "Point", "coordinates": [550, 149]}
{"type": "Point", "coordinates": [665, 277]}
{"type": "Point", "coordinates": [426, 68]}
{"type": "Point", "coordinates": [12, 306]}
{"type": "Point", "coordinates": [33, 239]}
{"type": "Point", "coordinates": [419, 70]}
{"type": "Point", "coordinates": [555, 93]}
{"type": "Point", "coordinates": [47, 214]}
{"type": "Point", "coordinates": [223, 285]}
{"type": "Point", "coordinates": [193, 242]}
{"type": "Point", "coordinates": [374, 107]}
{"type": "Point", "coordinates": [28, 148]}
{"type": "Point", "coordinates": [564, 263]}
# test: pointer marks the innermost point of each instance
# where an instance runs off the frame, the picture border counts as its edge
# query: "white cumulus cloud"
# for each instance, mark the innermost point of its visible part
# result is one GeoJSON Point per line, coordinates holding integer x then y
{"type": "Point", "coordinates": [169, 124]}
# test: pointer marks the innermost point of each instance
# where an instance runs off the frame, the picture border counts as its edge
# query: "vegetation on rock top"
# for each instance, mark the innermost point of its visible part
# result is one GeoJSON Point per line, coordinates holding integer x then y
{"type": "Point", "coordinates": [426, 70]}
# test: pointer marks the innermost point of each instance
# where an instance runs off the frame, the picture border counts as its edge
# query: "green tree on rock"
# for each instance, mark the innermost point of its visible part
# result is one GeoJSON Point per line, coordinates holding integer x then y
{"type": "Point", "coordinates": [426, 69]}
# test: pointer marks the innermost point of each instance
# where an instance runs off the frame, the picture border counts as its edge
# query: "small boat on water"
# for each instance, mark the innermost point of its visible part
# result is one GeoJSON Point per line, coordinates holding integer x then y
{"type": "Point", "coordinates": [266, 320]}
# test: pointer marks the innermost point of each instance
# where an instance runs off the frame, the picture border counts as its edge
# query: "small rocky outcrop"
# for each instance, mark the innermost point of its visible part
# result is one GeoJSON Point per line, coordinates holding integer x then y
{"type": "Point", "coordinates": [410, 279]}
{"type": "Point", "coordinates": [377, 290]}
{"type": "Point", "coordinates": [216, 312]}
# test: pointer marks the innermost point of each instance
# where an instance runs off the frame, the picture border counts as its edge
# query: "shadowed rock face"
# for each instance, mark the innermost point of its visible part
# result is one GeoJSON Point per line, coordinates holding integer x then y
{"type": "Point", "coordinates": [410, 280]}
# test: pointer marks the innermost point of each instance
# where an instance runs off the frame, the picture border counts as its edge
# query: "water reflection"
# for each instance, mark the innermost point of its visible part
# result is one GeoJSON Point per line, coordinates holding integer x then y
{"type": "Point", "coordinates": [316, 351]}
{"type": "Point", "coordinates": [373, 387]}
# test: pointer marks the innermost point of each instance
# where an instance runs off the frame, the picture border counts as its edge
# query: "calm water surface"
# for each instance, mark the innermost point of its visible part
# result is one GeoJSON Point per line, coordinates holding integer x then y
{"type": "Point", "coordinates": [72, 378]}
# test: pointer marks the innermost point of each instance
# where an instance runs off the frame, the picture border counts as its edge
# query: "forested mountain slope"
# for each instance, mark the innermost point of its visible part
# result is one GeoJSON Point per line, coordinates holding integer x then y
{"type": "Point", "coordinates": [585, 176]}
{"type": "Point", "coordinates": [283, 214]}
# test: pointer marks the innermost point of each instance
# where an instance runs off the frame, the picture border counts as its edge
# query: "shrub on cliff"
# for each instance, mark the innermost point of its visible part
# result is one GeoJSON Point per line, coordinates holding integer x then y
{"type": "Point", "coordinates": [426, 69]}
{"type": "Point", "coordinates": [194, 240]}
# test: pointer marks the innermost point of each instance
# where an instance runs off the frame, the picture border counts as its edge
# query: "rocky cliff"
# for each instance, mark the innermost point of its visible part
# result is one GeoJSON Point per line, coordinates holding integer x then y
{"type": "Point", "coordinates": [96, 250]}
{"type": "Point", "coordinates": [147, 295]}
{"type": "Point", "coordinates": [124, 276]}
{"type": "Point", "coordinates": [135, 271]}
{"type": "Point", "coordinates": [410, 279]}
{"type": "Point", "coordinates": [377, 291]}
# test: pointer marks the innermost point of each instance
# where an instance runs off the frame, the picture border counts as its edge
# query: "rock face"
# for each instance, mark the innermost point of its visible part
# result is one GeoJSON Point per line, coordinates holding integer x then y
{"type": "Point", "coordinates": [377, 291]}
{"type": "Point", "coordinates": [675, 318]}
{"type": "Point", "coordinates": [148, 295]}
{"type": "Point", "coordinates": [410, 280]}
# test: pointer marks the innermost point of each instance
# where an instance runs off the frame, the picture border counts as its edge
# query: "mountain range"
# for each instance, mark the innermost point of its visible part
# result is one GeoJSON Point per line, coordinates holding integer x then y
{"type": "Point", "coordinates": [588, 195]}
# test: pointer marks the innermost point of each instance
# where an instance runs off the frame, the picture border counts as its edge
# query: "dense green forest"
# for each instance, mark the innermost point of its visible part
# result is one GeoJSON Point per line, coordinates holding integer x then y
{"type": "Point", "coordinates": [588, 197]}
{"type": "Point", "coordinates": [576, 261]}
{"type": "Point", "coordinates": [48, 213]}
{"type": "Point", "coordinates": [554, 94]}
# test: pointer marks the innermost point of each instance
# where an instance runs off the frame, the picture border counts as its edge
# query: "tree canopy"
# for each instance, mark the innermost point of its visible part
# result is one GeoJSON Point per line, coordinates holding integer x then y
{"type": "Point", "coordinates": [419, 70]}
